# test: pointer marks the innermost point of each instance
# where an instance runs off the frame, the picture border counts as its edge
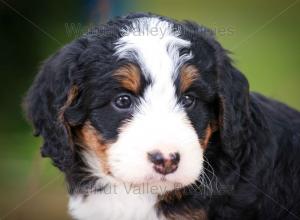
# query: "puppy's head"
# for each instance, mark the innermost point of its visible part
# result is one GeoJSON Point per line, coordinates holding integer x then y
{"type": "Point", "coordinates": [138, 100]}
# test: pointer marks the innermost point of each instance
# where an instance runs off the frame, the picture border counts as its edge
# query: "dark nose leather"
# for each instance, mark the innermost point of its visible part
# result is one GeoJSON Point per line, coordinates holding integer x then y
{"type": "Point", "coordinates": [164, 165]}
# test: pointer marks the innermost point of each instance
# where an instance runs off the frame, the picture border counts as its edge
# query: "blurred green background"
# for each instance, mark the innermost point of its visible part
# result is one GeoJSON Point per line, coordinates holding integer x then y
{"type": "Point", "coordinates": [263, 36]}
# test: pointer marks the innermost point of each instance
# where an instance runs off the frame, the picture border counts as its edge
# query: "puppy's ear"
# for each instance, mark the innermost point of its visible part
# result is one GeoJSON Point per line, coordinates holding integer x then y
{"type": "Point", "coordinates": [49, 97]}
{"type": "Point", "coordinates": [233, 98]}
{"type": "Point", "coordinates": [232, 90]}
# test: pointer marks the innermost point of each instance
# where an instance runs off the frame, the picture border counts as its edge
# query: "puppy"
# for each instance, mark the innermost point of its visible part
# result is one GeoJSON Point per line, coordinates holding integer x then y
{"type": "Point", "coordinates": [148, 119]}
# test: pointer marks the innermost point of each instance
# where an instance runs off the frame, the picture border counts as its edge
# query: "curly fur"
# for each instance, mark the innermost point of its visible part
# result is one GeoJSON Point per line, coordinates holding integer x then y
{"type": "Point", "coordinates": [253, 152]}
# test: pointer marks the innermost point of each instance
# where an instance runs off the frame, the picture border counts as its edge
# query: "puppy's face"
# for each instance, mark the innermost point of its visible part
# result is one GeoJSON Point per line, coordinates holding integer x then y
{"type": "Point", "coordinates": [150, 115]}
{"type": "Point", "coordinates": [141, 99]}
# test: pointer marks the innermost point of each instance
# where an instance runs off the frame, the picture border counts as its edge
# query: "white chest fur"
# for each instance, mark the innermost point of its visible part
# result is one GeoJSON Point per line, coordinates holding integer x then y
{"type": "Point", "coordinates": [114, 205]}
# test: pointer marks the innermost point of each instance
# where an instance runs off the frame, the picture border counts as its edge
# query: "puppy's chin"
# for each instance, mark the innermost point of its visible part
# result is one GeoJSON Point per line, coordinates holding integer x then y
{"type": "Point", "coordinates": [154, 187]}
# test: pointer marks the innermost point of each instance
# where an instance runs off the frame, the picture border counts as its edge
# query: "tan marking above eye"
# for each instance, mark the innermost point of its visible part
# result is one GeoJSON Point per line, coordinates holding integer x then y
{"type": "Point", "coordinates": [188, 74]}
{"type": "Point", "coordinates": [130, 77]}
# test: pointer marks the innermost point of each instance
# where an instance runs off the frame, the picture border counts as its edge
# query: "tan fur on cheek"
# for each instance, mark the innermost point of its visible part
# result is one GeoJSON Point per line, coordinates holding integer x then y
{"type": "Point", "coordinates": [183, 212]}
{"type": "Point", "coordinates": [173, 196]}
{"type": "Point", "coordinates": [187, 214]}
{"type": "Point", "coordinates": [94, 142]}
{"type": "Point", "coordinates": [208, 133]}
{"type": "Point", "coordinates": [211, 128]}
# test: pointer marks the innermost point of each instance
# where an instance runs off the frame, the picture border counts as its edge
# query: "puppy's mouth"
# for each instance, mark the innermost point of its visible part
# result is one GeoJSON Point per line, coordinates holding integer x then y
{"type": "Point", "coordinates": [158, 184]}
{"type": "Point", "coordinates": [168, 178]}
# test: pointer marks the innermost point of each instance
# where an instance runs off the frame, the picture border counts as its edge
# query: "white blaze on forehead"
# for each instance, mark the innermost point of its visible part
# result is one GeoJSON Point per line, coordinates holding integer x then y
{"type": "Point", "coordinates": [159, 123]}
{"type": "Point", "coordinates": [155, 45]}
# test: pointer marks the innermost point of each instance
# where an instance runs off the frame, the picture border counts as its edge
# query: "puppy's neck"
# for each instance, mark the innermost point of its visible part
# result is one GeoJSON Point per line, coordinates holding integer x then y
{"type": "Point", "coordinates": [115, 202]}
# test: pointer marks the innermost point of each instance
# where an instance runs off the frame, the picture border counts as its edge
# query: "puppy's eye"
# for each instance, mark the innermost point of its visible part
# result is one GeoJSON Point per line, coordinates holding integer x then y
{"type": "Point", "coordinates": [187, 101]}
{"type": "Point", "coordinates": [123, 101]}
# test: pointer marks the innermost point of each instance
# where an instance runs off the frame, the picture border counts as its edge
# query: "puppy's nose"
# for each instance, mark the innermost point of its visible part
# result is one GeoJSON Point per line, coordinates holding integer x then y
{"type": "Point", "coordinates": [164, 165]}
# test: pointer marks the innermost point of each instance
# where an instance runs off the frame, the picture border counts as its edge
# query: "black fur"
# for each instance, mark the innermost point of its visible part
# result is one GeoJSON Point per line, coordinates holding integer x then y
{"type": "Point", "coordinates": [254, 152]}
